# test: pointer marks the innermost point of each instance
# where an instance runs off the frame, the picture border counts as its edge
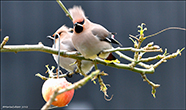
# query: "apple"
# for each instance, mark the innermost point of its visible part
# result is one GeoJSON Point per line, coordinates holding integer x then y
{"type": "Point", "coordinates": [50, 86]}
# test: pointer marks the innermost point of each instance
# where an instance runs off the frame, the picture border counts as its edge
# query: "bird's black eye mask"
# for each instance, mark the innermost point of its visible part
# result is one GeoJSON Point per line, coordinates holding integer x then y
{"type": "Point", "coordinates": [79, 26]}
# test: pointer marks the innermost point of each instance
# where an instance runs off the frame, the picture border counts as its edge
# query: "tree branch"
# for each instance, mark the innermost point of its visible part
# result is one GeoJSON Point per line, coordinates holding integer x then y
{"type": "Point", "coordinates": [165, 58]}
{"type": "Point", "coordinates": [64, 9]}
{"type": "Point", "coordinates": [76, 55]}
{"type": "Point", "coordinates": [5, 40]}
{"type": "Point", "coordinates": [165, 30]}
{"type": "Point", "coordinates": [132, 60]}
{"type": "Point", "coordinates": [132, 49]}
{"type": "Point", "coordinates": [125, 66]}
{"type": "Point", "coordinates": [38, 47]}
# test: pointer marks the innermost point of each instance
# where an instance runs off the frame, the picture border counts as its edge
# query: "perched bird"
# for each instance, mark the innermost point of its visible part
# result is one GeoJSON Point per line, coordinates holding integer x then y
{"type": "Point", "coordinates": [89, 38]}
{"type": "Point", "coordinates": [66, 44]}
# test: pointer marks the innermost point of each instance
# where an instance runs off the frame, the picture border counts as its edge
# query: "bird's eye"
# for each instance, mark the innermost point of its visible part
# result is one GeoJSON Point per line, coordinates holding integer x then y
{"type": "Point", "coordinates": [60, 33]}
{"type": "Point", "coordinates": [81, 22]}
{"type": "Point", "coordinates": [56, 36]}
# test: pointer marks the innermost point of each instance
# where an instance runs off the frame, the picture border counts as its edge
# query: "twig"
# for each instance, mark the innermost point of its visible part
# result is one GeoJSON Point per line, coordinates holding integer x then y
{"type": "Point", "coordinates": [52, 98]}
{"type": "Point", "coordinates": [79, 67]}
{"type": "Point", "coordinates": [157, 57]}
{"type": "Point", "coordinates": [131, 49]}
{"type": "Point", "coordinates": [149, 82]}
{"type": "Point", "coordinates": [165, 30]}
{"type": "Point", "coordinates": [165, 58]}
{"type": "Point", "coordinates": [5, 40]}
{"type": "Point", "coordinates": [64, 9]}
{"type": "Point", "coordinates": [154, 86]}
{"type": "Point", "coordinates": [103, 88]}
{"type": "Point", "coordinates": [42, 77]}
{"type": "Point", "coordinates": [134, 37]}
{"type": "Point", "coordinates": [141, 39]}
{"type": "Point", "coordinates": [130, 59]}
{"type": "Point", "coordinates": [125, 66]}
{"type": "Point", "coordinates": [80, 83]}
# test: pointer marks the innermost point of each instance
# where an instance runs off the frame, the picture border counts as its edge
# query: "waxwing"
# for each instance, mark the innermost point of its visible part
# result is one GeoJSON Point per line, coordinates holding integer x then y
{"type": "Point", "coordinates": [66, 44]}
{"type": "Point", "coordinates": [90, 39]}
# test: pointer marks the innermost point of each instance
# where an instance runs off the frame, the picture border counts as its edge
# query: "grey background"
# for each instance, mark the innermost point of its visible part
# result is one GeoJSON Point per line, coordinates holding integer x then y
{"type": "Point", "coordinates": [30, 22]}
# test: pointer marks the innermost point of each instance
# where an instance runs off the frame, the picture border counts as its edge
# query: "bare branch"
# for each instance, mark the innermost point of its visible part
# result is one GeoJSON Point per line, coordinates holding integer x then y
{"type": "Point", "coordinates": [165, 58]}
{"type": "Point", "coordinates": [75, 55]}
{"type": "Point", "coordinates": [52, 98]}
{"type": "Point", "coordinates": [132, 49]}
{"type": "Point", "coordinates": [5, 40]}
{"type": "Point", "coordinates": [42, 77]}
{"type": "Point", "coordinates": [130, 59]}
{"type": "Point", "coordinates": [80, 83]}
{"type": "Point", "coordinates": [157, 57]}
{"type": "Point", "coordinates": [64, 9]}
{"type": "Point", "coordinates": [165, 30]}
{"type": "Point", "coordinates": [154, 86]}
{"type": "Point", "coordinates": [125, 66]}
{"type": "Point", "coordinates": [138, 45]}
{"type": "Point", "coordinates": [38, 47]}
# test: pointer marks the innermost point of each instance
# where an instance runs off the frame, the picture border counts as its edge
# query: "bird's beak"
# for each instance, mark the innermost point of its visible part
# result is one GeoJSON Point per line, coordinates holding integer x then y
{"type": "Point", "coordinates": [50, 37]}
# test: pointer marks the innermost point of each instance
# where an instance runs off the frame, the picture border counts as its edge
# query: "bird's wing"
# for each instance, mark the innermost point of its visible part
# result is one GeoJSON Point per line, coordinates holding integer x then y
{"type": "Point", "coordinates": [67, 44]}
{"type": "Point", "coordinates": [104, 35]}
